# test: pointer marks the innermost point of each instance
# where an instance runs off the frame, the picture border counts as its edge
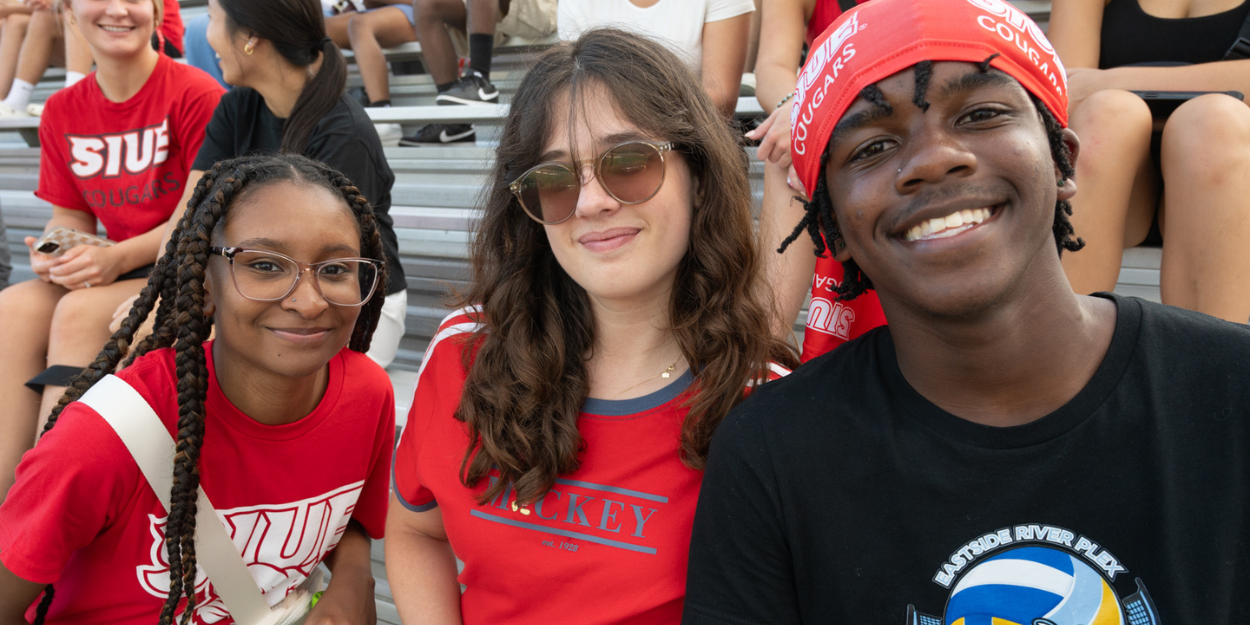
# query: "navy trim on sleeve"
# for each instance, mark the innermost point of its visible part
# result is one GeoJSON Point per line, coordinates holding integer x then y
{"type": "Point", "coordinates": [425, 507]}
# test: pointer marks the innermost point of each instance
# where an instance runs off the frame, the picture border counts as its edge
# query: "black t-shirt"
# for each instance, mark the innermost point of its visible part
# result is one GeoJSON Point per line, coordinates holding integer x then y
{"type": "Point", "coordinates": [1130, 35]}
{"type": "Point", "coordinates": [344, 139]}
{"type": "Point", "coordinates": [841, 495]}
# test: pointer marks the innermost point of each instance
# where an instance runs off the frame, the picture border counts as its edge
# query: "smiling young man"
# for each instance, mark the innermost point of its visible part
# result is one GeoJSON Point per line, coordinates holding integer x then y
{"type": "Point", "coordinates": [1006, 451]}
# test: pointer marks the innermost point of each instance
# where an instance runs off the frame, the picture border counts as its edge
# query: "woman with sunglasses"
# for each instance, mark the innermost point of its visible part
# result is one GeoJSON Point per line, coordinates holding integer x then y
{"type": "Point", "coordinates": [561, 420]}
{"type": "Point", "coordinates": [281, 420]}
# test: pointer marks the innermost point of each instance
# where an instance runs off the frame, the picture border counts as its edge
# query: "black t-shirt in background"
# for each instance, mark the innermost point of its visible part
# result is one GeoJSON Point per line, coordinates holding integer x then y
{"type": "Point", "coordinates": [344, 139]}
{"type": "Point", "coordinates": [841, 495]}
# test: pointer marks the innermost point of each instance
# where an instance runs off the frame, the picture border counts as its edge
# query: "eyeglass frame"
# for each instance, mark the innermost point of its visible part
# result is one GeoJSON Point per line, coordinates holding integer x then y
{"type": "Point", "coordinates": [230, 252]}
{"type": "Point", "coordinates": [662, 148]}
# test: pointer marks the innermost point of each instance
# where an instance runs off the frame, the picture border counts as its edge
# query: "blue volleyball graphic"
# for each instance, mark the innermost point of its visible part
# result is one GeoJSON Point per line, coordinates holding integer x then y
{"type": "Point", "coordinates": [1033, 585]}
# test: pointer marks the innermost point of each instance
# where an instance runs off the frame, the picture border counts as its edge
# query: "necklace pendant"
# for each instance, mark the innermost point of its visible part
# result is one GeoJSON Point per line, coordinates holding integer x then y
{"type": "Point", "coordinates": [665, 375]}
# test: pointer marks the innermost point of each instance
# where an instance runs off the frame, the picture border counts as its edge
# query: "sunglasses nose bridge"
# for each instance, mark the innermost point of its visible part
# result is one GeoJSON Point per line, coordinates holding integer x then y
{"type": "Point", "coordinates": [594, 197]}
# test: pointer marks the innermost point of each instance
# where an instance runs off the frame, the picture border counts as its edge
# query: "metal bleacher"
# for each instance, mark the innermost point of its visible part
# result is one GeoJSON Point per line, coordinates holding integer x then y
{"type": "Point", "coordinates": [435, 196]}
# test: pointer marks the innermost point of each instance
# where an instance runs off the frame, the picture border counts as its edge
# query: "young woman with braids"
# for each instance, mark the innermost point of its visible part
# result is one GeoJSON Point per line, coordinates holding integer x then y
{"type": "Point", "coordinates": [280, 419]}
{"type": "Point", "coordinates": [116, 147]}
{"type": "Point", "coordinates": [288, 95]}
{"type": "Point", "coordinates": [560, 424]}
{"type": "Point", "coordinates": [1005, 450]}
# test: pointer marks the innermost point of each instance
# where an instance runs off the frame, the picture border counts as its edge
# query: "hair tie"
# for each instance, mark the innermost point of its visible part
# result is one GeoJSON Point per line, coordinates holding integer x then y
{"type": "Point", "coordinates": [321, 45]}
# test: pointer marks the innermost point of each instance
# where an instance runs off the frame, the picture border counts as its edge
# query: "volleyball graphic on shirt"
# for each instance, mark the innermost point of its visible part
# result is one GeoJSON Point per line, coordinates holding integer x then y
{"type": "Point", "coordinates": [1037, 574]}
{"type": "Point", "coordinates": [1023, 585]}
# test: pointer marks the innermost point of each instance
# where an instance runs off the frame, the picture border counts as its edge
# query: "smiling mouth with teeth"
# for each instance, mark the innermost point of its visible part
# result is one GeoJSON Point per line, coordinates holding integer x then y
{"type": "Point", "coordinates": [117, 29]}
{"type": "Point", "coordinates": [948, 226]}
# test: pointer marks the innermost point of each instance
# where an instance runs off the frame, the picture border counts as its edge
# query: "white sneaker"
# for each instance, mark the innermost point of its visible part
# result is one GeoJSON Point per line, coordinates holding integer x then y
{"type": "Point", "coordinates": [7, 111]}
{"type": "Point", "coordinates": [35, 110]}
{"type": "Point", "coordinates": [390, 134]}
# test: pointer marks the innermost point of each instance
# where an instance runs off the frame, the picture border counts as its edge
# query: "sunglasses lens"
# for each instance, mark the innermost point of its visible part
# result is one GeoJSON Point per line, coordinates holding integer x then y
{"type": "Point", "coordinates": [632, 172]}
{"type": "Point", "coordinates": [549, 193]}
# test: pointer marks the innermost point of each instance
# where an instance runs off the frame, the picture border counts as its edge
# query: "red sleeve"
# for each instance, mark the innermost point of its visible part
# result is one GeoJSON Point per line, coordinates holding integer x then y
{"type": "Point", "coordinates": [197, 108]}
{"type": "Point", "coordinates": [56, 183]}
{"type": "Point", "coordinates": [70, 487]}
{"type": "Point", "coordinates": [370, 508]}
{"type": "Point", "coordinates": [172, 28]}
{"type": "Point", "coordinates": [439, 383]}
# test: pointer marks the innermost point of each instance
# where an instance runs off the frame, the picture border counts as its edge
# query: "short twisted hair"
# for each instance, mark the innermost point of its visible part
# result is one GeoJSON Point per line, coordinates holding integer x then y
{"type": "Point", "coordinates": [820, 225]}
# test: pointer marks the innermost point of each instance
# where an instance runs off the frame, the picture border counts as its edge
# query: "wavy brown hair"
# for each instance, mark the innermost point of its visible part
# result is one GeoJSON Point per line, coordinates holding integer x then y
{"type": "Point", "coordinates": [177, 282]}
{"type": "Point", "coordinates": [527, 378]}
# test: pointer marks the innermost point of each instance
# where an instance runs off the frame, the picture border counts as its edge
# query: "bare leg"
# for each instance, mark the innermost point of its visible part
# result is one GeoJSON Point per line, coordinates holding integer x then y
{"type": "Point", "coordinates": [1206, 169]}
{"type": "Point", "coordinates": [25, 309]}
{"type": "Point", "coordinates": [1116, 185]}
{"type": "Point", "coordinates": [484, 14]}
{"type": "Point", "coordinates": [80, 328]}
{"type": "Point", "coordinates": [336, 29]}
{"type": "Point", "coordinates": [12, 33]}
{"type": "Point", "coordinates": [77, 53]}
{"type": "Point", "coordinates": [369, 33]}
{"type": "Point", "coordinates": [432, 17]}
{"type": "Point", "coordinates": [41, 39]}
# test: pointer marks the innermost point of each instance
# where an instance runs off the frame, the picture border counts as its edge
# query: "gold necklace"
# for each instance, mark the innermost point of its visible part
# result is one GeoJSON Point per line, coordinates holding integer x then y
{"type": "Point", "coordinates": [666, 374]}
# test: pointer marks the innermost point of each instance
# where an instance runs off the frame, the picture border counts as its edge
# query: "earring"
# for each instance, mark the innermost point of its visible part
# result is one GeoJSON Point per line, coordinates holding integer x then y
{"type": "Point", "coordinates": [249, 47]}
{"type": "Point", "coordinates": [1062, 181]}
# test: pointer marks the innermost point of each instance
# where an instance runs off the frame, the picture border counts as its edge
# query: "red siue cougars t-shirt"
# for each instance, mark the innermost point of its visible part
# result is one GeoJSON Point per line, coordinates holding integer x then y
{"type": "Point", "coordinates": [609, 542]}
{"type": "Point", "coordinates": [831, 323]}
{"type": "Point", "coordinates": [125, 162]}
{"type": "Point", "coordinates": [82, 515]}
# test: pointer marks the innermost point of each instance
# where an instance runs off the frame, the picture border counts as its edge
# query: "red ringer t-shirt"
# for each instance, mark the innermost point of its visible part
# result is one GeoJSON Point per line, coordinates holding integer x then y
{"type": "Point", "coordinates": [607, 544]}
{"type": "Point", "coordinates": [125, 162]}
{"type": "Point", "coordinates": [82, 515]}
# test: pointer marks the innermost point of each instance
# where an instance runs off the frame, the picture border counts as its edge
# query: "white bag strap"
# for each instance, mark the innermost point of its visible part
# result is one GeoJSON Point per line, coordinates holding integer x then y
{"type": "Point", "coordinates": [153, 449]}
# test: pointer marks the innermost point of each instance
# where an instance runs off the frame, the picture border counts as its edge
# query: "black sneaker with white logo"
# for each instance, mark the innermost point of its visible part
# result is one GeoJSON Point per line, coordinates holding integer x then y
{"type": "Point", "coordinates": [440, 134]}
{"type": "Point", "coordinates": [473, 88]}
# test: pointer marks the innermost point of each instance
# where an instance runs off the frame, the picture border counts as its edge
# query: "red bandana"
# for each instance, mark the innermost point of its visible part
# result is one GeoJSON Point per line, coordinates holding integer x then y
{"type": "Point", "coordinates": [883, 37]}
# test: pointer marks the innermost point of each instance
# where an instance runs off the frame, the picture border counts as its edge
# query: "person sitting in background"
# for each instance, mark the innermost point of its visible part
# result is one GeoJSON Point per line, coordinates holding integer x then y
{"type": "Point", "coordinates": [616, 315]}
{"type": "Point", "coordinates": [1005, 450]}
{"type": "Point", "coordinates": [52, 29]}
{"type": "Point", "coordinates": [117, 147]}
{"type": "Point", "coordinates": [441, 28]}
{"type": "Point", "coordinates": [709, 35]}
{"type": "Point", "coordinates": [289, 81]}
{"type": "Point", "coordinates": [14, 18]}
{"type": "Point", "coordinates": [1186, 187]}
{"type": "Point", "coordinates": [830, 322]}
{"type": "Point", "coordinates": [382, 24]}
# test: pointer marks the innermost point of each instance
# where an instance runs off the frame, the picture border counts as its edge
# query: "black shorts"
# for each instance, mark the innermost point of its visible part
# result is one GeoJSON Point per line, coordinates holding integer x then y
{"type": "Point", "coordinates": [60, 375]}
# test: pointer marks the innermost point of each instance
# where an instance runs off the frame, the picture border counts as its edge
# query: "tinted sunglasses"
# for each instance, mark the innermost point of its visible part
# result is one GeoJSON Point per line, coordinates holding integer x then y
{"type": "Point", "coordinates": [630, 172]}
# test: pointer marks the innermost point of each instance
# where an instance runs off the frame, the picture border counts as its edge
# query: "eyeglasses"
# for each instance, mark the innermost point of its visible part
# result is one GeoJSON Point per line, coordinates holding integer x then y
{"type": "Point", "coordinates": [630, 172]}
{"type": "Point", "coordinates": [267, 276]}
